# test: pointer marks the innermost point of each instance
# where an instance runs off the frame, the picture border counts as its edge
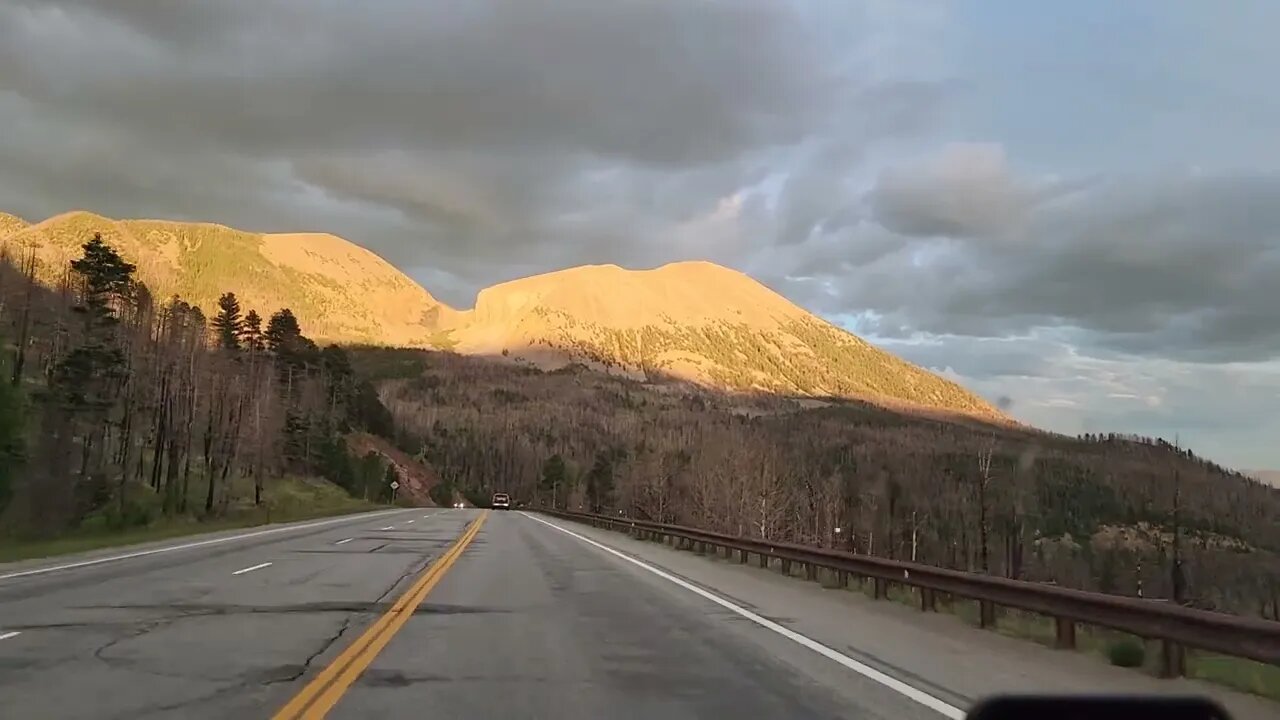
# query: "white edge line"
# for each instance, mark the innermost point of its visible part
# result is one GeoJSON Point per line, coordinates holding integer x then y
{"type": "Point", "coordinates": [344, 542]}
{"type": "Point", "coordinates": [863, 669]}
{"type": "Point", "coordinates": [188, 546]}
{"type": "Point", "coordinates": [6, 636]}
{"type": "Point", "coordinates": [251, 568]}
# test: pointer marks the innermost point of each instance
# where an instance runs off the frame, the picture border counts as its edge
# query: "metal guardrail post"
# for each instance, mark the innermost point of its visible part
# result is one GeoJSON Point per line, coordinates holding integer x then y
{"type": "Point", "coordinates": [1173, 659]}
{"type": "Point", "coordinates": [926, 600]}
{"type": "Point", "coordinates": [1065, 633]}
{"type": "Point", "coordinates": [881, 590]}
{"type": "Point", "coordinates": [986, 614]}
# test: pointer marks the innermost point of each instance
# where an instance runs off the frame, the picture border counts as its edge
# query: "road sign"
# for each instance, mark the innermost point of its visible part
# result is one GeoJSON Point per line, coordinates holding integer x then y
{"type": "Point", "coordinates": [395, 485]}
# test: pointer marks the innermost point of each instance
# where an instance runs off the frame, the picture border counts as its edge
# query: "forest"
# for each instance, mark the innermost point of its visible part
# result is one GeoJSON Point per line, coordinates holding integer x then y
{"type": "Point", "coordinates": [118, 408]}
{"type": "Point", "coordinates": [1114, 513]}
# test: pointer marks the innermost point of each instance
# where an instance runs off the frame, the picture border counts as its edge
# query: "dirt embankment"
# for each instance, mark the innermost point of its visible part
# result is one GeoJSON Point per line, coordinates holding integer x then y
{"type": "Point", "coordinates": [416, 477]}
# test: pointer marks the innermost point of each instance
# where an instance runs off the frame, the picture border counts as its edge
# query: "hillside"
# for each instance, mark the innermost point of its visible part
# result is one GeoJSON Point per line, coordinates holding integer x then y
{"type": "Point", "coordinates": [134, 422]}
{"type": "Point", "coordinates": [1094, 513]}
{"type": "Point", "coordinates": [692, 321]}
{"type": "Point", "coordinates": [338, 290]}
{"type": "Point", "coordinates": [10, 224]}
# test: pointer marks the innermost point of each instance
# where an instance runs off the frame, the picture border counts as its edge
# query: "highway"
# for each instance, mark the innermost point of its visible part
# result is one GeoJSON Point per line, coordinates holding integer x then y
{"type": "Point", "coordinates": [437, 613]}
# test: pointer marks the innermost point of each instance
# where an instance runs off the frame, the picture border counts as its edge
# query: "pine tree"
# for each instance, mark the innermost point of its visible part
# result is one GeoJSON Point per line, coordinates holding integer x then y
{"type": "Point", "coordinates": [285, 341]}
{"type": "Point", "coordinates": [83, 387]}
{"type": "Point", "coordinates": [283, 333]}
{"type": "Point", "coordinates": [600, 482]}
{"type": "Point", "coordinates": [227, 324]}
{"type": "Point", "coordinates": [12, 434]}
{"type": "Point", "coordinates": [553, 477]}
{"type": "Point", "coordinates": [251, 332]}
{"type": "Point", "coordinates": [89, 375]}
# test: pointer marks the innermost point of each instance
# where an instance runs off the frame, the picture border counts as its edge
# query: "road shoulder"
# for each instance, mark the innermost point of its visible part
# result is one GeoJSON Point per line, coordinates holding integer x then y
{"type": "Point", "coordinates": [99, 556]}
{"type": "Point", "coordinates": [934, 652]}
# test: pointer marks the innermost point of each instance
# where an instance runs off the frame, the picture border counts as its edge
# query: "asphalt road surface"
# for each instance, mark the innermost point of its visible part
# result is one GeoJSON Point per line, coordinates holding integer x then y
{"type": "Point", "coordinates": [451, 614]}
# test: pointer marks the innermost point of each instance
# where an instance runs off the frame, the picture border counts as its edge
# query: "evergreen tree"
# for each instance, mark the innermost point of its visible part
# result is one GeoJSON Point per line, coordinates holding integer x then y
{"type": "Point", "coordinates": [227, 323]}
{"type": "Point", "coordinates": [370, 474]}
{"type": "Point", "coordinates": [552, 482]}
{"type": "Point", "coordinates": [285, 341]}
{"type": "Point", "coordinates": [12, 431]}
{"type": "Point", "coordinates": [283, 333]}
{"type": "Point", "coordinates": [251, 336]}
{"type": "Point", "coordinates": [88, 376]}
{"type": "Point", "coordinates": [368, 412]}
{"type": "Point", "coordinates": [600, 482]}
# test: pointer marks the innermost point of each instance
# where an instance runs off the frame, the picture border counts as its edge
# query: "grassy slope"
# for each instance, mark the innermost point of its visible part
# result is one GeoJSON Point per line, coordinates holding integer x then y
{"type": "Point", "coordinates": [10, 224]}
{"type": "Point", "coordinates": [287, 499]}
{"type": "Point", "coordinates": [802, 357]}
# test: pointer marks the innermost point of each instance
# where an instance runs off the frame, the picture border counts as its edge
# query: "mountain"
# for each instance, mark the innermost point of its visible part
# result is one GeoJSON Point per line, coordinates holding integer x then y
{"type": "Point", "coordinates": [10, 224]}
{"type": "Point", "coordinates": [693, 321]}
{"type": "Point", "coordinates": [1270, 477]}
{"type": "Point", "coordinates": [338, 290]}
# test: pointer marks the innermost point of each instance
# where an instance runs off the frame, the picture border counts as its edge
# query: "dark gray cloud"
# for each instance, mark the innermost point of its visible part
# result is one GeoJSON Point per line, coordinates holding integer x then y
{"type": "Point", "coordinates": [439, 134]}
{"type": "Point", "coordinates": [659, 82]}
{"type": "Point", "coordinates": [1184, 265]}
{"type": "Point", "coordinates": [821, 146]}
{"type": "Point", "coordinates": [967, 190]}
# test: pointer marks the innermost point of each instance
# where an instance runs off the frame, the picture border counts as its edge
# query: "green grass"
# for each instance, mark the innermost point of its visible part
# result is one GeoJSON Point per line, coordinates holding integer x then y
{"type": "Point", "coordinates": [1247, 675]}
{"type": "Point", "coordinates": [285, 500]}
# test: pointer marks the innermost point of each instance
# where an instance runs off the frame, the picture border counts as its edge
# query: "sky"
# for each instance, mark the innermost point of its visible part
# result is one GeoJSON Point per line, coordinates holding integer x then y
{"type": "Point", "coordinates": [1073, 209]}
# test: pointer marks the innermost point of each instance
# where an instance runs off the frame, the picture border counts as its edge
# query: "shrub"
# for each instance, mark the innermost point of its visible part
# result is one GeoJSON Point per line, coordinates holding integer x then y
{"type": "Point", "coordinates": [1126, 653]}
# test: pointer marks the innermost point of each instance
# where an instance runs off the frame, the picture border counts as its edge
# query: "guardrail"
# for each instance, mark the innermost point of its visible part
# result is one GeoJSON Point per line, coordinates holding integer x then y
{"type": "Point", "coordinates": [1175, 626]}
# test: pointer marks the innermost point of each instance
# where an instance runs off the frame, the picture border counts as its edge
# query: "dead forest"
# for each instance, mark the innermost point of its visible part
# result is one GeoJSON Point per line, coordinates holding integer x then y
{"type": "Point", "coordinates": [1120, 514]}
{"type": "Point", "coordinates": [117, 407]}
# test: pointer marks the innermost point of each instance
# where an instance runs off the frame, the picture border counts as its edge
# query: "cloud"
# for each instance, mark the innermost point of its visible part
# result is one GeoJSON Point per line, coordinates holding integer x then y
{"type": "Point", "coordinates": [475, 138]}
{"type": "Point", "coordinates": [923, 170]}
{"type": "Point", "coordinates": [1224, 411]}
{"type": "Point", "coordinates": [1181, 265]}
{"type": "Point", "coordinates": [966, 190]}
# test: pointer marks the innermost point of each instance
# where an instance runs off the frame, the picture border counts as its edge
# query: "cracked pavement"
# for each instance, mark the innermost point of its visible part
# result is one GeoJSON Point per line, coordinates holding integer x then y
{"type": "Point", "coordinates": [529, 622]}
{"type": "Point", "coordinates": [176, 634]}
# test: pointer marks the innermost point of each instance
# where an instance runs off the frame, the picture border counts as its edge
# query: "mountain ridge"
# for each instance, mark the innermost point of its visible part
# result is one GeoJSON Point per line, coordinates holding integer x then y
{"type": "Point", "coordinates": [339, 290]}
{"type": "Point", "coordinates": [689, 320]}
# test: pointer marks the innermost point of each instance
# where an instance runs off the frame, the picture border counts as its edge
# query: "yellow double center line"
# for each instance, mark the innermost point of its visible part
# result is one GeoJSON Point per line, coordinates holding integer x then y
{"type": "Point", "coordinates": [321, 694]}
